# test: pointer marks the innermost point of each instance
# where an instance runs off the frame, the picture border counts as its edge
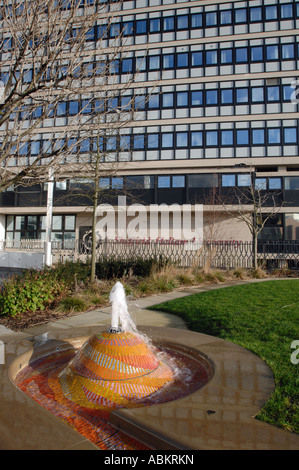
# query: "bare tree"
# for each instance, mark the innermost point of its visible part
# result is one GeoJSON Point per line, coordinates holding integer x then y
{"type": "Point", "coordinates": [47, 60]}
{"type": "Point", "coordinates": [254, 205]}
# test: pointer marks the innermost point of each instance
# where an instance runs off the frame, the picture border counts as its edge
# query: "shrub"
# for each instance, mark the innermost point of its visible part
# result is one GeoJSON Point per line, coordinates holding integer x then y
{"type": "Point", "coordinates": [31, 291]}
{"type": "Point", "coordinates": [109, 268]}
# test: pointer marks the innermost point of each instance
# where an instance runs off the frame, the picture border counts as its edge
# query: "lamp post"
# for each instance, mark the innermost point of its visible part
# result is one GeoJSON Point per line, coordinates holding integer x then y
{"type": "Point", "coordinates": [48, 242]}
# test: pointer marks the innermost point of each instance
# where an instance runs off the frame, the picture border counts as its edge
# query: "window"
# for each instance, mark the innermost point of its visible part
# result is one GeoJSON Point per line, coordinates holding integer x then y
{"type": "Point", "coordinates": [226, 56]}
{"type": "Point", "coordinates": [244, 180]}
{"type": "Point", "coordinates": [196, 59]}
{"type": "Point", "coordinates": [257, 54]}
{"type": "Point", "coordinates": [117, 182]}
{"type": "Point", "coordinates": [261, 184]}
{"type": "Point", "coordinates": [225, 17]}
{"type": "Point", "coordinates": [241, 15]}
{"type": "Point", "coordinates": [211, 58]}
{"type": "Point", "coordinates": [211, 97]}
{"type": "Point", "coordinates": [272, 52]}
{"type": "Point", "coordinates": [73, 107]}
{"type": "Point", "coordinates": [228, 181]}
{"type": "Point", "coordinates": [208, 180]}
{"type": "Point", "coordinates": [138, 142]}
{"type": "Point", "coordinates": [257, 95]}
{"type": "Point", "coordinates": [183, 60]}
{"type": "Point", "coordinates": [227, 96]}
{"type": "Point", "coordinates": [211, 138]}
{"type": "Point", "coordinates": [182, 99]}
{"type": "Point", "coordinates": [255, 14]}
{"type": "Point", "coordinates": [182, 139]}
{"type": "Point", "coordinates": [153, 141]}
{"type": "Point", "coordinates": [154, 25]}
{"type": "Point", "coordinates": [127, 65]}
{"type": "Point", "coordinates": [168, 23]}
{"type": "Point", "coordinates": [168, 61]}
{"type": "Point", "coordinates": [125, 143]}
{"type": "Point", "coordinates": [167, 140]}
{"type": "Point", "coordinates": [227, 138]}
{"type": "Point", "coordinates": [274, 136]}
{"type": "Point", "coordinates": [291, 183]}
{"type": "Point", "coordinates": [241, 54]}
{"type": "Point", "coordinates": [290, 135]}
{"type": "Point", "coordinates": [258, 137]}
{"type": "Point", "coordinates": [167, 100]}
{"type": "Point", "coordinates": [154, 62]}
{"type": "Point", "coordinates": [286, 11]}
{"type": "Point", "coordinates": [273, 93]}
{"type": "Point", "coordinates": [196, 20]}
{"type": "Point", "coordinates": [274, 183]}
{"type": "Point", "coordinates": [128, 28]}
{"type": "Point", "coordinates": [196, 98]}
{"type": "Point", "coordinates": [242, 95]}
{"type": "Point", "coordinates": [271, 12]}
{"type": "Point", "coordinates": [196, 139]}
{"type": "Point", "coordinates": [35, 147]}
{"type": "Point", "coordinates": [178, 181]}
{"type": "Point", "coordinates": [182, 22]}
{"type": "Point", "coordinates": [211, 19]}
{"type": "Point", "coordinates": [154, 101]}
{"type": "Point", "coordinates": [163, 181]}
{"type": "Point", "coordinates": [288, 51]}
{"type": "Point", "coordinates": [287, 92]}
{"type": "Point", "coordinates": [141, 27]}
{"type": "Point", "coordinates": [242, 137]}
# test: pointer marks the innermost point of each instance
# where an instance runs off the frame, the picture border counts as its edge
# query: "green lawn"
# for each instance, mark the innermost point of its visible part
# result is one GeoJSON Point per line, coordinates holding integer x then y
{"type": "Point", "coordinates": [262, 317]}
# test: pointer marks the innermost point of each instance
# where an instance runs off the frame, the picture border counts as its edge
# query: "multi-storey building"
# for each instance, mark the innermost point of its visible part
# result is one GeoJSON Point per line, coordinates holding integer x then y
{"type": "Point", "coordinates": [223, 114]}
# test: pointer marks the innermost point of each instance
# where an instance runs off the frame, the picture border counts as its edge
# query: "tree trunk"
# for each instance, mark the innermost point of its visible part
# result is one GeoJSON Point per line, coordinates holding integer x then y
{"type": "Point", "coordinates": [254, 250]}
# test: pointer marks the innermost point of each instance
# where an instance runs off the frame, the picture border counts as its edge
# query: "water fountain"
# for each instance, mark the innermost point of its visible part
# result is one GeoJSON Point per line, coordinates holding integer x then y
{"type": "Point", "coordinates": [114, 369]}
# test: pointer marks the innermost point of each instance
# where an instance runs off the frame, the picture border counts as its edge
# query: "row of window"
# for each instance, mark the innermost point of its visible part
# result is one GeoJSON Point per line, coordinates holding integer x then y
{"type": "Point", "coordinates": [214, 19]}
{"type": "Point", "coordinates": [169, 140]}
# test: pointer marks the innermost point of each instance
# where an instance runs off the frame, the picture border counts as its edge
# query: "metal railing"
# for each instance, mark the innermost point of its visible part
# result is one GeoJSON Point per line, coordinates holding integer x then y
{"type": "Point", "coordinates": [215, 254]}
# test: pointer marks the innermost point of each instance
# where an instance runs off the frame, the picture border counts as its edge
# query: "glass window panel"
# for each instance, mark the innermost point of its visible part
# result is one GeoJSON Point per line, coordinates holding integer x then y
{"type": "Point", "coordinates": [167, 100]}
{"type": "Point", "coordinates": [258, 136]}
{"type": "Point", "coordinates": [168, 23]}
{"type": "Point", "coordinates": [273, 93]}
{"type": "Point", "coordinates": [153, 141]}
{"type": "Point", "coordinates": [227, 96]}
{"type": "Point", "coordinates": [167, 140]}
{"type": "Point", "coordinates": [287, 92]}
{"type": "Point", "coordinates": [117, 182]}
{"type": "Point", "coordinates": [154, 25]}
{"type": "Point", "coordinates": [241, 15]}
{"type": "Point", "coordinates": [227, 137]}
{"type": "Point", "coordinates": [73, 107]}
{"type": "Point", "coordinates": [126, 102]}
{"type": "Point", "coordinates": [272, 52]}
{"type": "Point", "coordinates": [196, 59]}
{"type": "Point", "coordinates": [135, 182]}
{"type": "Point", "coordinates": [115, 30]}
{"type": "Point", "coordinates": [225, 17]}
{"type": "Point", "coordinates": [182, 22]}
{"type": "Point", "coordinates": [211, 138]}
{"type": "Point", "coordinates": [255, 14]}
{"type": "Point", "coordinates": [274, 183]}
{"type": "Point", "coordinates": [181, 139]}
{"type": "Point", "coordinates": [271, 12]}
{"type": "Point", "coordinates": [23, 149]}
{"type": "Point", "coordinates": [286, 11]}
{"type": "Point", "coordinates": [104, 183]}
{"type": "Point", "coordinates": [61, 109]}
{"type": "Point", "coordinates": [178, 181]}
{"type": "Point", "coordinates": [168, 61]}
{"type": "Point", "coordinates": [228, 180]}
{"type": "Point", "coordinates": [257, 94]}
{"type": "Point", "coordinates": [242, 137]}
{"type": "Point", "coordinates": [211, 19]}
{"type": "Point", "coordinates": [288, 51]}
{"type": "Point", "coordinates": [244, 180]}
{"type": "Point", "coordinates": [140, 64]}
{"type": "Point", "coordinates": [196, 20]}
{"type": "Point", "coordinates": [257, 54]}
{"type": "Point", "coordinates": [182, 99]}
{"type": "Point", "coordinates": [154, 62]}
{"type": "Point", "coordinates": [241, 54]}
{"type": "Point", "coordinates": [138, 142]}
{"type": "Point", "coordinates": [163, 181]}
{"type": "Point", "coordinates": [125, 142]}
{"type": "Point", "coordinates": [9, 222]}
{"type": "Point", "coordinates": [141, 27]}
{"type": "Point", "coordinates": [57, 222]}
{"type": "Point", "coordinates": [226, 56]}
{"type": "Point", "coordinates": [35, 147]}
{"type": "Point", "coordinates": [290, 135]}
{"type": "Point", "coordinates": [292, 226]}
{"type": "Point", "coordinates": [211, 57]}
{"type": "Point", "coordinates": [261, 184]}
{"type": "Point", "coordinates": [209, 180]}
{"type": "Point", "coordinates": [154, 101]}
{"type": "Point", "coordinates": [291, 183]}
{"type": "Point", "coordinates": [274, 136]}
{"type": "Point", "coordinates": [69, 222]}
{"type": "Point", "coordinates": [196, 139]}
{"type": "Point", "coordinates": [139, 102]}
{"type": "Point", "coordinates": [183, 59]}
{"type": "Point", "coordinates": [211, 97]}
{"type": "Point", "coordinates": [128, 28]}
{"type": "Point", "coordinates": [127, 65]}
{"type": "Point", "coordinates": [196, 98]}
